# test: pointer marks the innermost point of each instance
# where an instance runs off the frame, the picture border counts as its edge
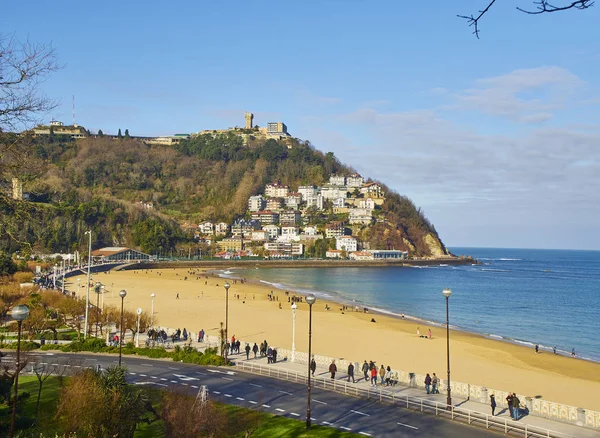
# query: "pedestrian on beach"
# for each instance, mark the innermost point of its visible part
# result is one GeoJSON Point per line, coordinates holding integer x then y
{"type": "Point", "coordinates": [419, 332]}
{"type": "Point", "coordinates": [274, 355]}
{"type": "Point", "coordinates": [374, 376]}
{"type": "Point", "coordinates": [509, 400]}
{"type": "Point", "coordinates": [255, 349]}
{"type": "Point", "coordinates": [429, 333]}
{"type": "Point", "coordinates": [537, 348]}
{"type": "Point", "coordinates": [247, 348]}
{"type": "Point", "coordinates": [382, 374]}
{"type": "Point", "coordinates": [573, 352]}
{"type": "Point", "coordinates": [427, 383]}
{"type": "Point", "coordinates": [313, 366]}
{"type": "Point", "coordinates": [351, 372]}
{"type": "Point", "coordinates": [269, 355]}
{"type": "Point", "coordinates": [515, 404]}
{"type": "Point", "coordinates": [365, 370]}
{"type": "Point", "coordinates": [177, 297]}
{"type": "Point", "coordinates": [493, 403]}
{"type": "Point", "coordinates": [434, 384]}
{"type": "Point", "coordinates": [554, 349]}
{"type": "Point", "coordinates": [388, 376]}
{"type": "Point", "coordinates": [332, 369]}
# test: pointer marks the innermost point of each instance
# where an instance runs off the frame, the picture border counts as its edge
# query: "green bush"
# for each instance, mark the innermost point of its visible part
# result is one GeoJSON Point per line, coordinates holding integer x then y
{"type": "Point", "coordinates": [95, 345]}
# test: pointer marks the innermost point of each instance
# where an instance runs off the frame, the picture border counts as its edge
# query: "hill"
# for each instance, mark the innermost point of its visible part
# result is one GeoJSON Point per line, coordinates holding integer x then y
{"type": "Point", "coordinates": [134, 194]}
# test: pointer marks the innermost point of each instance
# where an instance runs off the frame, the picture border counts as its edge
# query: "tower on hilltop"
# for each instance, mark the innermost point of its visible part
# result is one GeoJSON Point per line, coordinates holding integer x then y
{"type": "Point", "coordinates": [249, 119]}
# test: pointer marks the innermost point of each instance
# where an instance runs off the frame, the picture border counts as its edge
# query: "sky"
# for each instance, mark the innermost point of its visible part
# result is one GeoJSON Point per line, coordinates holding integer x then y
{"type": "Point", "coordinates": [496, 139]}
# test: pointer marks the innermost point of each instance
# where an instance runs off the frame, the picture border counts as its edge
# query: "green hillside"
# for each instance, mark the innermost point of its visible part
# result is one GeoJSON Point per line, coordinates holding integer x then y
{"type": "Point", "coordinates": [99, 182]}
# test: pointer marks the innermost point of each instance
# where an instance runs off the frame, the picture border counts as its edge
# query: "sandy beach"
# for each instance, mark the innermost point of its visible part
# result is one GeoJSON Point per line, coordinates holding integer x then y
{"type": "Point", "coordinates": [350, 335]}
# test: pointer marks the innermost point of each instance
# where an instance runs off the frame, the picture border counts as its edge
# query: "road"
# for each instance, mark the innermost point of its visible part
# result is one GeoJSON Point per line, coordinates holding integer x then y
{"type": "Point", "coordinates": [365, 417]}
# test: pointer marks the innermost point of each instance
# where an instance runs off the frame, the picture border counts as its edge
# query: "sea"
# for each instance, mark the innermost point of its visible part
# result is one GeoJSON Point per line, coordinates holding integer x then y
{"type": "Point", "coordinates": [525, 296]}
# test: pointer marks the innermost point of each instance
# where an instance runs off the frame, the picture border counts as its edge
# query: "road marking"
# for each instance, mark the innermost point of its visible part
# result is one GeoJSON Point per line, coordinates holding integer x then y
{"type": "Point", "coordinates": [365, 433]}
{"type": "Point", "coordinates": [266, 406]}
{"type": "Point", "coordinates": [163, 379]}
{"type": "Point", "coordinates": [345, 428]}
{"type": "Point", "coordinates": [252, 401]}
{"type": "Point", "coordinates": [133, 374]}
{"type": "Point", "coordinates": [226, 378]}
{"type": "Point", "coordinates": [360, 413]}
{"type": "Point", "coordinates": [143, 375]}
{"type": "Point", "coordinates": [216, 392]}
{"type": "Point", "coordinates": [173, 381]}
{"type": "Point", "coordinates": [153, 377]}
{"type": "Point", "coordinates": [294, 414]}
{"type": "Point", "coordinates": [409, 426]}
{"type": "Point", "coordinates": [280, 410]}
{"type": "Point", "coordinates": [313, 419]}
{"type": "Point", "coordinates": [284, 392]}
{"type": "Point", "coordinates": [173, 368]}
{"type": "Point", "coordinates": [327, 423]}
{"type": "Point", "coordinates": [254, 384]}
{"type": "Point", "coordinates": [202, 374]}
{"type": "Point", "coordinates": [76, 366]}
{"type": "Point", "coordinates": [194, 386]}
{"type": "Point", "coordinates": [184, 384]}
{"type": "Point", "coordinates": [318, 401]}
{"type": "Point", "coordinates": [147, 365]}
{"type": "Point", "coordinates": [239, 398]}
{"type": "Point", "coordinates": [183, 377]}
{"type": "Point", "coordinates": [227, 395]}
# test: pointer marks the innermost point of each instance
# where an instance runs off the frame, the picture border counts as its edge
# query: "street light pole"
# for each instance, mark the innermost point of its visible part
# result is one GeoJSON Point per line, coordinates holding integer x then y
{"type": "Point", "coordinates": [447, 292]}
{"type": "Point", "coordinates": [122, 294]}
{"type": "Point", "coordinates": [18, 313]}
{"type": "Point", "coordinates": [97, 290]}
{"type": "Point", "coordinates": [227, 286]}
{"type": "Point", "coordinates": [87, 296]}
{"type": "Point", "coordinates": [310, 300]}
{"type": "Point", "coordinates": [137, 333]}
{"type": "Point", "coordinates": [294, 307]}
{"type": "Point", "coordinates": [152, 314]}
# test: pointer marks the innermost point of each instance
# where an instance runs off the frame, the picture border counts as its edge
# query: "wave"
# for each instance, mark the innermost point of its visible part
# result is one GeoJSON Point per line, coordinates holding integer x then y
{"type": "Point", "coordinates": [499, 259]}
{"type": "Point", "coordinates": [495, 270]}
{"type": "Point", "coordinates": [299, 290]}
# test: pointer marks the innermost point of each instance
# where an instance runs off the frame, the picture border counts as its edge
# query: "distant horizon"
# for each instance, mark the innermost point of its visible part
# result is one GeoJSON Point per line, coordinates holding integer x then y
{"type": "Point", "coordinates": [522, 248]}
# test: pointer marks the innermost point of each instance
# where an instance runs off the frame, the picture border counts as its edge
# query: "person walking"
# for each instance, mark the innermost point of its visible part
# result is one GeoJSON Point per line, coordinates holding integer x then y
{"type": "Point", "coordinates": [509, 400]}
{"type": "Point", "coordinates": [428, 383]}
{"type": "Point", "coordinates": [515, 404]}
{"type": "Point", "coordinates": [382, 374]}
{"type": "Point", "coordinates": [255, 349]}
{"type": "Point", "coordinates": [493, 403]}
{"type": "Point", "coordinates": [537, 348]}
{"type": "Point", "coordinates": [247, 348]}
{"type": "Point", "coordinates": [313, 366]}
{"type": "Point", "coordinates": [269, 355]}
{"type": "Point", "coordinates": [351, 372]}
{"type": "Point", "coordinates": [388, 376]}
{"type": "Point", "coordinates": [332, 369]}
{"type": "Point", "coordinates": [274, 355]}
{"type": "Point", "coordinates": [365, 370]}
{"type": "Point", "coordinates": [434, 384]}
{"type": "Point", "coordinates": [554, 349]}
{"type": "Point", "coordinates": [374, 376]}
{"type": "Point", "coordinates": [429, 333]}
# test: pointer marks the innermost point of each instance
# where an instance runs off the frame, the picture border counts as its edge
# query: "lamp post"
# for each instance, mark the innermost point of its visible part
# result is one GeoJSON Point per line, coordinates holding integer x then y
{"type": "Point", "coordinates": [18, 313]}
{"type": "Point", "coordinates": [152, 314]}
{"type": "Point", "coordinates": [62, 285]}
{"type": "Point", "coordinates": [447, 292]}
{"type": "Point", "coordinates": [103, 289]}
{"type": "Point", "coordinates": [137, 333]}
{"type": "Point", "coordinates": [310, 300]}
{"type": "Point", "coordinates": [227, 286]}
{"type": "Point", "coordinates": [122, 294]}
{"type": "Point", "coordinates": [97, 290]}
{"type": "Point", "coordinates": [87, 296]}
{"type": "Point", "coordinates": [294, 307]}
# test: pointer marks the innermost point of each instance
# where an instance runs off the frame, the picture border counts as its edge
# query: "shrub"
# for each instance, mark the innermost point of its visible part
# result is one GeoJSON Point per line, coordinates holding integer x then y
{"type": "Point", "coordinates": [23, 277]}
{"type": "Point", "coordinates": [95, 345]}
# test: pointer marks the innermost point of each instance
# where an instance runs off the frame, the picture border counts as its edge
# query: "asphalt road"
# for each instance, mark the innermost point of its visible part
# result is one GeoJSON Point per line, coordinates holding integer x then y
{"type": "Point", "coordinates": [366, 417]}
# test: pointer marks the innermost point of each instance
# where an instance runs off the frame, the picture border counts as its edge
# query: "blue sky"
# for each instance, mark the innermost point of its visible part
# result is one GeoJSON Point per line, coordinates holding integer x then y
{"type": "Point", "coordinates": [496, 139]}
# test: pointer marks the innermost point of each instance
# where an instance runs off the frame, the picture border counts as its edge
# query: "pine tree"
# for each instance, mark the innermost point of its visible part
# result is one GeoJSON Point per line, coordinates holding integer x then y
{"type": "Point", "coordinates": [127, 134]}
{"type": "Point", "coordinates": [119, 134]}
{"type": "Point", "coordinates": [100, 133]}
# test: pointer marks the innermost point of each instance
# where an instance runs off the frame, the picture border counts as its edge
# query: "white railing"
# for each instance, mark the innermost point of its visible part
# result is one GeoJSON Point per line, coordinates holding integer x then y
{"type": "Point", "coordinates": [426, 406]}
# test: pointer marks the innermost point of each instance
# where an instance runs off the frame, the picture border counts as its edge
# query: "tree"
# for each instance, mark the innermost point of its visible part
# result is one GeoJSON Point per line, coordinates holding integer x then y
{"type": "Point", "coordinates": [119, 134]}
{"type": "Point", "coordinates": [100, 133]}
{"type": "Point", "coordinates": [7, 265]}
{"type": "Point", "coordinates": [127, 136]}
{"type": "Point", "coordinates": [541, 7]}
{"type": "Point", "coordinates": [44, 370]}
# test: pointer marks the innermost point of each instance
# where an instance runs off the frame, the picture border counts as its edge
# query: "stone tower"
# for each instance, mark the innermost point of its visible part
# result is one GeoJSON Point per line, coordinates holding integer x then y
{"type": "Point", "coordinates": [17, 189]}
{"type": "Point", "coordinates": [249, 119]}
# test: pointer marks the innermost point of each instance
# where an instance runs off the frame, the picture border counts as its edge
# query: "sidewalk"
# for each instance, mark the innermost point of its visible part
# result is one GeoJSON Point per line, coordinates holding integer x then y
{"type": "Point", "coordinates": [402, 390]}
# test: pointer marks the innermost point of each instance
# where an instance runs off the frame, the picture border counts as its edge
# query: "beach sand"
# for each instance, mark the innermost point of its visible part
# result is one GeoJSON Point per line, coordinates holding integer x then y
{"type": "Point", "coordinates": [389, 341]}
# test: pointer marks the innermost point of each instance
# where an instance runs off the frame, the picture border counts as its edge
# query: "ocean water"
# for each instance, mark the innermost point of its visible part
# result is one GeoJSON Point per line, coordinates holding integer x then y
{"type": "Point", "coordinates": [548, 297]}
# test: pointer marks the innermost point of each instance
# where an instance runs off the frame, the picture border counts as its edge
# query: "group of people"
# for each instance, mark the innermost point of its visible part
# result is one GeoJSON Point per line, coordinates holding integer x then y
{"type": "Point", "coordinates": [431, 384]}
{"type": "Point", "coordinates": [382, 376]}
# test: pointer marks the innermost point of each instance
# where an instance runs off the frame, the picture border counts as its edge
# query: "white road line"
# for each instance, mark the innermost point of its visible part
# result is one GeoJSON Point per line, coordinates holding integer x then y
{"type": "Point", "coordinates": [327, 423]}
{"type": "Point", "coordinates": [216, 392]}
{"type": "Point", "coordinates": [76, 366]}
{"type": "Point", "coordinates": [143, 375]}
{"type": "Point", "coordinates": [313, 419]}
{"type": "Point", "coordinates": [345, 428]}
{"type": "Point", "coordinates": [173, 381]}
{"type": "Point", "coordinates": [285, 392]}
{"type": "Point", "coordinates": [294, 414]}
{"type": "Point", "coordinates": [133, 374]}
{"type": "Point", "coordinates": [153, 377]}
{"type": "Point", "coordinates": [319, 401]}
{"type": "Point", "coordinates": [239, 398]}
{"type": "Point", "coordinates": [360, 413]}
{"type": "Point", "coordinates": [409, 426]}
{"type": "Point", "coordinates": [226, 378]}
{"type": "Point", "coordinates": [173, 368]}
{"type": "Point", "coordinates": [194, 386]}
{"type": "Point", "coordinates": [202, 374]}
{"type": "Point", "coordinates": [163, 379]}
{"type": "Point", "coordinates": [147, 365]}
{"type": "Point", "coordinates": [365, 433]}
{"type": "Point", "coordinates": [227, 395]}
{"type": "Point", "coordinates": [254, 384]}
{"type": "Point", "coordinates": [252, 401]}
{"type": "Point", "coordinates": [280, 410]}
{"type": "Point", "coordinates": [266, 406]}
{"type": "Point", "coordinates": [184, 384]}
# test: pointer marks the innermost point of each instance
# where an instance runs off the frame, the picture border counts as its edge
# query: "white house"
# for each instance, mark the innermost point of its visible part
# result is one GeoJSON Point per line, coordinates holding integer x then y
{"type": "Point", "coordinates": [259, 236]}
{"type": "Point", "coordinates": [361, 255]}
{"type": "Point", "coordinates": [276, 190]}
{"type": "Point", "coordinates": [272, 231]}
{"type": "Point", "coordinates": [284, 248]}
{"type": "Point", "coordinates": [360, 216]}
{"type": "Point", "coordinates": [333, 254]}
{"type": "Point", "coordinates": [308, 191]}
{"type": "Point", "coordinates": [221, 228]}
{"type": "Point", "coordinates": [354, 180]}
{"type": "Point", "coordinates": [289, 233]}
{"type": "Point", "coordinates": [206, 227]}
{"type": "Point", "coordinates": [329, 191]}
{"type": "Point", "coordinates": [347, 243]}
{"type": "Point", "coordinates": [310, 231]}
{"type": "Point", "coordinates": [372, 189]}
{"type": "Point", "coordinates": [273, 204]}
{"type": "Point", "coordinates": [367, 204]}
{"type": "Point", "coordinates": [256, 203]}
{"type": "Point", "coordinates": [293, 200]}
{"type": "Point", "coordinates": [315, 201]}
{"type": "Point", "coordinates": [339, 202]}
{"type": "Point", "coordinates": [337, 180]}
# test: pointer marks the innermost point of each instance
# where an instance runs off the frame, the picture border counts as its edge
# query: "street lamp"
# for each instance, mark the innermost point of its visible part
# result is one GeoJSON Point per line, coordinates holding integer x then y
{"type": "Point", "coordinates": [87, 296]}
{"type": "Point", "coordinates": [227, 286]}
{"type": "Point", "coordinates": [310, 300]}
{"type": "Point", "coordinates": [294, 307]}
{"type": "Point", "coordinates": [18, 313]}
{"type": "Point", "coordinates": [103, 289]}
{"type": "Point", "coordinates": [152, 314]}
{"type": "Point", "coordinates": [122, 294]}
{"type": "Point", "coordinates": [447, 292]}
{"type": "Point", "coordinates": [137, 334]}
{"type": "Point", "coordinates": [97, 290]}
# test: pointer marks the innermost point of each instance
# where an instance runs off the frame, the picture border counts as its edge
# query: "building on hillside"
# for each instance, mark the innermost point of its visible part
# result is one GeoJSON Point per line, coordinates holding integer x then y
{"type": "Point", "coordinates": [277, 129]}
{"type": "Point", "coordinates": [354, 181]}
{"type": "Point", "coordinates": [206, 227]}
{"type": "Point", "coordinates": [17, 189]}
{"type": "Point", "coordinates": [259, 236]}
{"type": "Point", "coordinates": [337, 180]}
{"type": "Point", "coordinates": [308, 191]}
{"type": "Point", "coordinates": [361, 255]}
{"type": "Point", "coordinates": [266, 217]}
{"type": "Point", "coordinates": [291, 217]}
{"type": "Point", "coordinates": [289, 233]}
{"type": "Point", "coordinates": [293, 200]}
{"type": "Point", "coordinates": [380, 254]}
{"type": "Point", "coordinates": [276, 190]}
{"type": "Point", "coordinates": [360, 216]}
{"type": "Point", "coordinates": [274, 204]}
{"type": "Point", "coordinates": [118, 254]}
{"type": "Point", "coordinates": [59, 128]}
{"type": "Point", "coordinates": [373, 190]}
{"type": "Point", "coordinates": [145, 205]}
{"type": "Point", "coordinates": [222, 228]}
{"type": "Point", "coordinates": [339, 202]}
{"type": "Point", "coordinates": [231, 244]}
{"type": "Point", "coordinates": [347, 243]}
{"type": "Point", "coordinates": [329, 191]}
{"type": "Point", "coordinates": [284, 248]}
{"type": "Point", "coordinates": [311, 230]}
{"type": "Point", "coordinates": [272, 231]}
{"type": "Point", "coordinates": [367, 204]}
{"type": "Point", "coordinates": [334, 229]}
{"type": "Point", "coordinates": [315, 201]}
{"type": "Point", "coordinates": [166, 140]}
{"type": "Point", "coordinates": [333, 254]}
{"type": "Point", "coordinates": [256, 203]}
{"type": "Point", "coordinates": [249, 117]}
{"type": "Point", "coordinates": [244, 228]}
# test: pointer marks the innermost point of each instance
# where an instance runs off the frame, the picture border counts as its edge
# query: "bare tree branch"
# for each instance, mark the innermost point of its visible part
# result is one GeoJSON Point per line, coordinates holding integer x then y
{"type": "Point", "coordinates": [542, 7]}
